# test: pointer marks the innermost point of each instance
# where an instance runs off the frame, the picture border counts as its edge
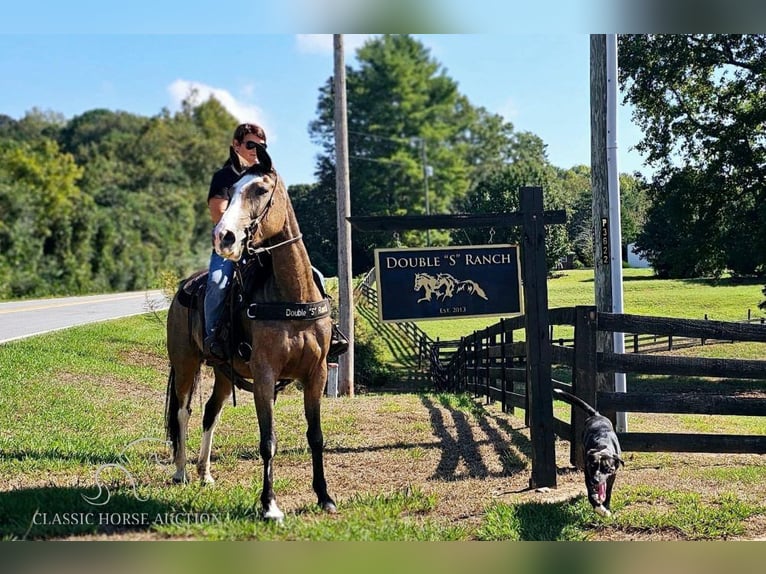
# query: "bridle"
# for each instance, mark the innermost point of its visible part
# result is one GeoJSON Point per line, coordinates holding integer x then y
{"type": "Point", "coordinates": [252, 249]}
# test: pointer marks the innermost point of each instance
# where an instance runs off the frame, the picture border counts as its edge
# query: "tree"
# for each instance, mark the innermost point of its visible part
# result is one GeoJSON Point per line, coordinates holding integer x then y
{"type": "Point", "coordinates": [34, 126]}
{"type": "Point", "coordinates": [701, 102]}
{"type": "Point", "coordinates": [315, 208]}
{"type": "Point", "coordinates": [497, 191]}
{"type": "Point", "coordinates": [107, 200]}
{"type": "Point", "coordinates": [576, 197]}
{"type": "Point", "coordinates": [682, 236]}
{"type": "Point", "coordinates": [576, 183]}
{"type": "Point", "coordinates": [45, 233]}
{"type": "Point", "coordinates": [406, 116]}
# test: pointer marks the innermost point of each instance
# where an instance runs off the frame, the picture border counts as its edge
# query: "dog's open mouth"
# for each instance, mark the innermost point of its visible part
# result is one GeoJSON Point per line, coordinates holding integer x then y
{"type": "Point", "coordinates": [601, 492]}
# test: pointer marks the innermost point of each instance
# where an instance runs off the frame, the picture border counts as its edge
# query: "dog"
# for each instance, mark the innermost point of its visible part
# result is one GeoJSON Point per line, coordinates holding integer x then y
{"type": "Point", "coordinates": [602, 453]}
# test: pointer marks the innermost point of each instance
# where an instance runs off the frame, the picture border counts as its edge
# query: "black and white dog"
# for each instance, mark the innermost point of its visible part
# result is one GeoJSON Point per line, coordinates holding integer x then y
{"type": "Point", "coordinates": [601, 452]}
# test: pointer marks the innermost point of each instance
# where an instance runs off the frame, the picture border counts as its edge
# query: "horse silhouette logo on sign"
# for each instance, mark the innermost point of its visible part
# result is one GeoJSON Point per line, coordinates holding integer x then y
{"type": "Point", "coordinates": [444, 286]}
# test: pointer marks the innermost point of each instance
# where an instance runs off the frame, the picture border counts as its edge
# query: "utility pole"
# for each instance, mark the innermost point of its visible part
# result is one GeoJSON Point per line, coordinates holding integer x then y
{"type": "Point", "coordinates": [615, 218]}
{"type": "Point", "coordinates": [343, 193]}
{"type": "Point", "coordinates": [599, 185]}
{"type": "Point", "coordinates": [424, 161]}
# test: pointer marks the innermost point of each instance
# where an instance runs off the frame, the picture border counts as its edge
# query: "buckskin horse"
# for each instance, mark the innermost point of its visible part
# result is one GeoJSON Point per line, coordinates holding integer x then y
{"type": "Point", "coordinates": [286, 321]}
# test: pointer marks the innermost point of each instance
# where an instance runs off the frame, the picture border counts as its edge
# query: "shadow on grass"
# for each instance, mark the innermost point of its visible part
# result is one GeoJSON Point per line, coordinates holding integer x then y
{"type": "Point", "coordinates": [705, 281]}
{"type": "Point", "coordinates": [465, 447]}
{"type": "Point", "coordinates": [537, 521]}
{"type": "Point", "coordinates": [58, 512]}
{"type": "Point", "coordinates": [407, 373]}
{"type": "Point", "coordinates": [725, 281]}
{"type": "Point", "coordinates": [57, 455]}
{"type": "Point", "coordinates": [401, 348]}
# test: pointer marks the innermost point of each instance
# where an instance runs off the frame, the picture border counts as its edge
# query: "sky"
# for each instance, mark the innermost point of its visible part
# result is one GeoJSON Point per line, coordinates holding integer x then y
{"type": "Point", "coordinates": [265, 61]}
{"type": "Point", "coordinates": [538, 82]}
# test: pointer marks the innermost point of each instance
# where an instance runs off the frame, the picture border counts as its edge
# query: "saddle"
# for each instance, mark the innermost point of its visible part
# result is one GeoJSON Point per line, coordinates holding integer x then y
{"type": "Point", "coordinates": [191, 295]}
{"type": "Point", "coordinates": [254, 272]}
{"type": "Point", "coordinates": [191, 291]}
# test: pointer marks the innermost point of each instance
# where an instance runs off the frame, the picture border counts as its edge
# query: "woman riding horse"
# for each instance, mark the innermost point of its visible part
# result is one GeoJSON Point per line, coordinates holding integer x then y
{"type": "Point", "coordinates": [258, 219]}
{"type": "Point", "coordinates": [248, 148]}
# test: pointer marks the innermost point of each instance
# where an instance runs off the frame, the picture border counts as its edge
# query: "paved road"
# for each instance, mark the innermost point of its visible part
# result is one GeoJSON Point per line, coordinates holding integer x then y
{"type": "Point", "coordinates": [19, 319]}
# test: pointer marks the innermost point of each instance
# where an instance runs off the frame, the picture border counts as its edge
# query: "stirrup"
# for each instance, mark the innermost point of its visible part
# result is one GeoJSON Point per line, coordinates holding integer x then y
{"type": "Point", "coordinates": [214, 351]}
{"type": "Point", "coordinates": [338, 342]}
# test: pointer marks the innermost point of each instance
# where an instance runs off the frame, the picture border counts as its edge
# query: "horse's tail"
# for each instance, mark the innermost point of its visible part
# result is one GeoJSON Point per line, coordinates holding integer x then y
{"type": "Point", "coordinates": [480, 292]}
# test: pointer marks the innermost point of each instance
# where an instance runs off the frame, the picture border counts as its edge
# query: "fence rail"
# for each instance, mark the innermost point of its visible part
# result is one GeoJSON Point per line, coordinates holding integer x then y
{"type": "Point", "coordinates": [491, 362]}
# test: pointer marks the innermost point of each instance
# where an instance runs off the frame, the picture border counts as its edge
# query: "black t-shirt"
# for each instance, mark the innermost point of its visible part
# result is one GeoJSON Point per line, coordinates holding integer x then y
{"type": "Point", "coordinates": [222, 182]}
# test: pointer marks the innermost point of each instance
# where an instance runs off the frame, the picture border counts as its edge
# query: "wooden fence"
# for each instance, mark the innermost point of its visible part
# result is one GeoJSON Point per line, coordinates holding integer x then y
{"type": "Point", "coordinates": [532, 218]}
{"type": "Point", "coordinates": [491, 363]}
{"type": "Point", "coordinates": [736, 399]}
{"type": "Point", "coordinates": [419, 339]}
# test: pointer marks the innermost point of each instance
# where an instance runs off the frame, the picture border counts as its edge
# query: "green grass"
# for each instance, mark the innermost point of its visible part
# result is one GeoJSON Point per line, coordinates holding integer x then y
{"type": "Point", "coordinates": [651, 509]}
{"type": "Point", "coordinates": [75, 400]}
{"type": "Point", "coordinates": [646, 510]}
{"type": "Point", "coordinates": [78, 399]}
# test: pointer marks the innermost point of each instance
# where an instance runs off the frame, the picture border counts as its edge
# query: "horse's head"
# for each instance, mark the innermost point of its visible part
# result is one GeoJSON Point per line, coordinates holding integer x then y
{"type": "Point", "coordinates": [255, 212]}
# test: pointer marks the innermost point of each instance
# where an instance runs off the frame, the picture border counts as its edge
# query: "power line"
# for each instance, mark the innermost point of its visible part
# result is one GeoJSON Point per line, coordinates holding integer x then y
{"type": "Point", "coordinates": [409, 141]}
{"type": "Point", "coordinates": [384, 161]}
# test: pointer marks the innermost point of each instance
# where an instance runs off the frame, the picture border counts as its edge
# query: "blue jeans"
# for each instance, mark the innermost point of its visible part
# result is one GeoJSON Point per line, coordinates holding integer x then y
{"type": "Point", "coordinates": [219, 277]}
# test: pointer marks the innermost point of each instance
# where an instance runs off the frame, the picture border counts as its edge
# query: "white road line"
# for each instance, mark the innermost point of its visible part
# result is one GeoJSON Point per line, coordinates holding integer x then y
{"type": "Point", "coordinates": [89, 301]}
{"type": "Point", "coordinates": [27, 335]}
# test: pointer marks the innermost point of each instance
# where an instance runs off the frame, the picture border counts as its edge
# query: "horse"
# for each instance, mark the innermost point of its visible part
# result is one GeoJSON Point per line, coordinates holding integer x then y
{"type": "Point", "coordinates": [289, 341]}
{"type": "Point", "coordinates": [445, 286]}
{"type": "Point", "coordinates": [448, 282]}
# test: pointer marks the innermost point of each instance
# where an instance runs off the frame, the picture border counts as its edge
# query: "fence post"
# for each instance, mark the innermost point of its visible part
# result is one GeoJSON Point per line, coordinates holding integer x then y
{"type": "Point", "coordinates": [491, 342]}
{"type": "Point", "coordinates": [584, 380]}
{"type": "Point", "coordinates": [464, 366]}
{"type": "Point", "coordinates": [476, 359]}
{"type": "Point", "coordinates": [539, 385]}
{"type": "Point", "coordinates": [504, 364]}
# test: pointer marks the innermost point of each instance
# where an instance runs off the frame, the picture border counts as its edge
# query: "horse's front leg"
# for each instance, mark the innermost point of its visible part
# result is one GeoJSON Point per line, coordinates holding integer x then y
{"type": "Point", "coordinates": [263, 394]}
{"type": "Point", "coordinates": [312, 398]}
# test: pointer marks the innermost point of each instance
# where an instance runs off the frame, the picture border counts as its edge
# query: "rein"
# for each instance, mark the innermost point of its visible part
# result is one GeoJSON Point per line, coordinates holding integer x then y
{"type": "Point", "coordinates": [251, 249]}
{"type": "Point", "coordinates": [256, 250]}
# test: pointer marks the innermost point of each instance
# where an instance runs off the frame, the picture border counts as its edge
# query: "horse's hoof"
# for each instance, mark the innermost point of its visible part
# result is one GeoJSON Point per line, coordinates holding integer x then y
{"type": "Point", "coordinates": [273, 513]}
{"type": "Point", "coordinates": [180, 478]}
{"type": "Point", "coordinates": [329, 507]}
{"type": "Point", "coordinates": [207, 479]}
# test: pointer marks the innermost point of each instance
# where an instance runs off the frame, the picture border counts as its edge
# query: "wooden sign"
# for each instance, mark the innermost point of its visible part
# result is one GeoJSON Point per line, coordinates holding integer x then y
{"type": "Point", "coordinates": [444, 282]}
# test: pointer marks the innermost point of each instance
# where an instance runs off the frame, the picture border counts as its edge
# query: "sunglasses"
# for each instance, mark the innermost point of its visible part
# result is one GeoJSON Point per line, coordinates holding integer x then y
{"type": "Point", "coordinates": [252, 145]}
